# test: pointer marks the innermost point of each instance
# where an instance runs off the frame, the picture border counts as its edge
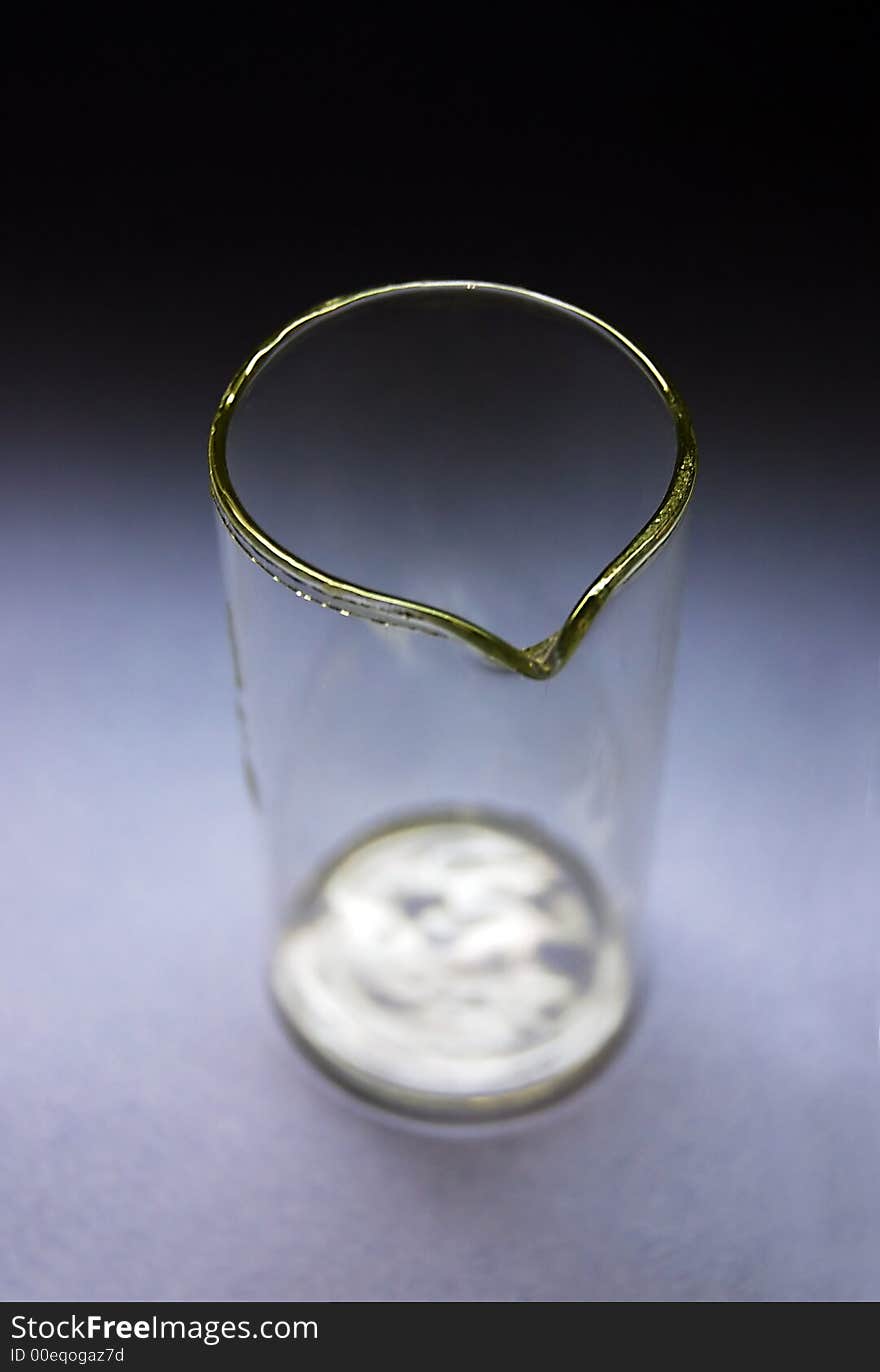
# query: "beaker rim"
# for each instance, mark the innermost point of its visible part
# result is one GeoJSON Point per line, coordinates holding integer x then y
{"type": "Point", "coordinates": [310, 583]}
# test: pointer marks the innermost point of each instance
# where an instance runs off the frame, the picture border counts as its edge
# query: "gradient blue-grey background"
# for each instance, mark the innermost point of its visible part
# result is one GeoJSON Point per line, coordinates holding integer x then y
{"type": "Point", "coordinates": [168, 210]}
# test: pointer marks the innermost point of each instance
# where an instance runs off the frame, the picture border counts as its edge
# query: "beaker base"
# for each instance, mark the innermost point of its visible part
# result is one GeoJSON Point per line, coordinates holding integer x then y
{"type": "Point", "coordinates": [455, 966]}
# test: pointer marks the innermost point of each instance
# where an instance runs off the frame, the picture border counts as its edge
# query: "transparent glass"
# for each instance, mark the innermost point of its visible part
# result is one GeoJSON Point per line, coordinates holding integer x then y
{"type": "Point", "coordinates": [451, 523]}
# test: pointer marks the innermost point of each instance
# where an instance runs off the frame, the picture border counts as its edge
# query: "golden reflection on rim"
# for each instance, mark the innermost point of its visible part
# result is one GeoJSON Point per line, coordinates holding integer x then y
{"type": "Point", "coordinates": [540, 660]}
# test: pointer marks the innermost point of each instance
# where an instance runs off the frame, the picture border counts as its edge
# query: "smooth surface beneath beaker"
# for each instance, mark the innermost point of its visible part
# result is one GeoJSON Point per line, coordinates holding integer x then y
{"type": "Point", "coordinates": [457, 965]}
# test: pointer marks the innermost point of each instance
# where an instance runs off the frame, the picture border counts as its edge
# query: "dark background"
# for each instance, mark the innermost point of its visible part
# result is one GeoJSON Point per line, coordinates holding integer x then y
{"type": "Point", "coordinates": [709, 185]}
{"type": "Point", "coordinates": [169, 205]}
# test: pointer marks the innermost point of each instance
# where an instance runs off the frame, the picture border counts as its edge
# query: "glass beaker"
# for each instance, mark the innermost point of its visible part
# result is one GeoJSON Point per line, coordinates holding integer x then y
{"type": "Point", "coordinates": [455, 747]}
